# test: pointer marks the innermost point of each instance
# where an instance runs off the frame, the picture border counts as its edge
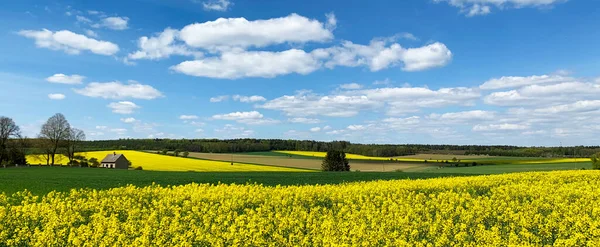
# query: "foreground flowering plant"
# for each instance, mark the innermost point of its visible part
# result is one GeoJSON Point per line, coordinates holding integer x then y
{"type": "Point", "coordinates": [550, 208]}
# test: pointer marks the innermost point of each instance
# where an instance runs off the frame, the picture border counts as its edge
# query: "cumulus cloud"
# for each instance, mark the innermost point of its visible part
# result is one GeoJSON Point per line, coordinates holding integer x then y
{"type": "Point", "coordinates": [356, 127]}
{"type": "Point", "coordinates": [188, 117]}
{"type": "Point", "coordinates": [128, 120]}
{"type": "Point", "coordinates": [266, 64]}
{"type": "Point", "coordinates": [56, 96]}
{"type": "Point", "coordinates": [91, 33]}
{"type": "Point", "coordinates": [65, 79]}
{"type": "Point", "coordinates": [304, 120]}
{"type": "Point", "coordinates": [219, 98]}
{"type": "Point", "coordinates": [545, 94]}
{"type": "Point", "coordinates": [118, 90]}
{"type": "Point", "coordinates": [520, 81]}
{"type": "Point", "coordinates": [379, 55]}
{"type": "Point", "coordinates": [396, 101]}
{"type": "Point", "coordinates": [114, 23]}
{"type": "Point", "coordinates": [216, 5]}
{"type": "Point", "coordinates": [464, 116]}
{"type": "Point", "coordinates": [231, 131]}
{"type": "Point", "coordinates": [251, 117]}
{"type": "Point", "coordinates": [161, 46]}
{"type": "Point", "coordinates": [495, 127]}
{"type": "Point", "coordinates": [483, 7]}
{"type": "Point", "coordinates": [238, 116]}
{"type": "Point", "coordinates": [351, 86]}
{"type": "Point", "coordinates": [315, 129]}
{"type": "Point", "coordinates": [248, 99]}
{"type": "Point", "coordinates": [69, 42]}
{"type": "Point", "coordinates": [228, 33]}
{"type": "Point", "coordinates": [310, 104]}
{"type": "Point", "coordinates": [123, 107]}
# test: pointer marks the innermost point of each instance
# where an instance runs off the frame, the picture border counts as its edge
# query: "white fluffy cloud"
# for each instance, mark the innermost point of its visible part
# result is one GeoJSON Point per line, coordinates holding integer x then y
{"type": "Point", "coordinates": [161, 46]}
{"type": "Point", "coordinates": [545, 94]}
{"type": "Point", "coordinates": [219, 98]}
{"type": "Point", "coordinates": [239, 116]}
{"type": "Point", "coordinates": [379, 55]}
{"type": "Point", "coordinates": [91, 33]}
{"type": "Point", "coordinates": [118, 90]}
{"type": "Point", "coordinates": [216, 5]}
{"type": "Point", "coordinates": [464, 116]}
{"type": "Point", "coordinates": [351, 86]}
{"type": "Point", "coordinates": [315, 129]}
{"type": "Point", "coordinates": [520, 81]}
{"type": "Point", "coordinates": [356, 127]}
{"type": "Point", "coordinates": [310, 104]}
{"type": "Point", "coordinates": [251, 117]}
{"type": "Point", "coordinates": [69, 42]}
{"type": "Point", "coordinates": [65, 79]}
{"type": "Point", "coordinates": [188, 117]}
{"type": "Point", "coordinates": [227, 33]}
{"type": "Point", "coordinates": [128, 120]}
{"type": "Point", "coordinates": [496, 127]}
{"type": "Point", "coordinates": [56, 96]}
{"type": "Point", "coordinates": [397, 101]}
{"type": "Point", "coordinates": [483, 7]}
{"type": "Point", "coordinates": [410, 99]}
{"type": "Point", "coordinates": [304, 120]}
{"type": "Point", "coordinates": [248, 99]}
{"type": "Point", "coordinates": [234, 65]}
{"type": "Point", "coordinates": [230, 131]}
{"type": "Point", "coordinates": [123, 107]}
{"type": "Point", "coordinates": [114, 23]}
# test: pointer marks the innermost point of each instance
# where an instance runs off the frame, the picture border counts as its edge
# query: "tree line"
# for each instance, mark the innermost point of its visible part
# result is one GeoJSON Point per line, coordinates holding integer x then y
{"type": "Point", "coordinates": [379, 150]}
{"type": "Point", "coordinates": [56, 137]}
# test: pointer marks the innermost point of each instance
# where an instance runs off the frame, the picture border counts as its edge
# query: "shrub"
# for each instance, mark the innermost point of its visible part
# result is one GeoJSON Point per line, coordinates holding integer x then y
{"type": "Point", "coordinates": [474, 163]}
{"type": "Point", "coordinates": [335, 161]}
{"type": "Point", "coordinates": [93, 162]}
{"type": "Point", "coordinates": [139, 168]}
{"type": "Point", "coordinates": [595, 161]}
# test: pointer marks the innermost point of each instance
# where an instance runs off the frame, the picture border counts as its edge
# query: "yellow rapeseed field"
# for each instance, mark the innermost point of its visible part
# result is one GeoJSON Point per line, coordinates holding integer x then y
{"type": "Point", "coordinates": [155, 162]}
{"type": "Point", "coordinates": [523, 209]}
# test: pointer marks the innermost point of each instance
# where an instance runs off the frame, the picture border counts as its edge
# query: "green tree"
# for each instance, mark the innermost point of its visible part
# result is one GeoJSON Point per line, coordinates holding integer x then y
{"type": "Point", "coordinates": [176, 152]}
{"type": "Point", "coordinates": [335, 161]}
{"type": "Point", "coordinates": [185, 154]}
{"type": "Point", "coordinates": [94, 162]}
{"type": "Point", "coordinates": [596, 161]}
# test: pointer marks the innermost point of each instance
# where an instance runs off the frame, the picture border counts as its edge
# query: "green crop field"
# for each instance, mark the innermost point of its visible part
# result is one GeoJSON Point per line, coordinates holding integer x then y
{"type": "Point", "coordinates": [41, 180]}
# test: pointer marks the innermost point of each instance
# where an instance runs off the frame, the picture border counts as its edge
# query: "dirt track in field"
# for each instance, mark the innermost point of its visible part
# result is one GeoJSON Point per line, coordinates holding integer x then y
{"type": "Point", "coordinates": [314, 164]}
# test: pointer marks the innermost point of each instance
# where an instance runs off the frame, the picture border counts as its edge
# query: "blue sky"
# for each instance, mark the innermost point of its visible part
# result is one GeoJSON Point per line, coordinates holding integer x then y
{"type": "Point", "coordinates": [519, 72]}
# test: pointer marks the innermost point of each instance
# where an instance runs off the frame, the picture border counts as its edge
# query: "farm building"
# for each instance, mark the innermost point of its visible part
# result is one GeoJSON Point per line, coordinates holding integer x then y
{"type": "Point", "coordinates": [117, 161]}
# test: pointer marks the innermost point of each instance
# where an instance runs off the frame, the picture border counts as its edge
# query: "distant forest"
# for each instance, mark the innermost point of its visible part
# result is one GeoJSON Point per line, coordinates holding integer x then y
{"type": "Point", "coordinates": [262, 145]}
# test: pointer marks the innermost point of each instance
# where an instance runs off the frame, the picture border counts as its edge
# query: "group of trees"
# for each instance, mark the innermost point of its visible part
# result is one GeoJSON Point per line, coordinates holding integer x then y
{"type": "Point", "coordinates": [12, 144]}
{"type": "Point", "coordinates": [56, 137]}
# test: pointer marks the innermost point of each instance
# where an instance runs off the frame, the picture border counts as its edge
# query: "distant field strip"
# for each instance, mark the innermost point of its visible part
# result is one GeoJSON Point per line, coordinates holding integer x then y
{"type": "Point", "coordinates": [155, 162]}
{"type": "Point", "coordinates": [315, 164]}
{"type": "Point", "coordinates": [348, 155]}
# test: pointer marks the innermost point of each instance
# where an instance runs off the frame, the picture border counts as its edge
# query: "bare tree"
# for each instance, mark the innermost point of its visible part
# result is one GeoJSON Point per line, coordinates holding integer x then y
{"type": "Point", "coordinates": [8, 129]}
{"type": "Point", "coordinates": [76, 136]}
{"type": "Point", "coordinates": [55, 131]}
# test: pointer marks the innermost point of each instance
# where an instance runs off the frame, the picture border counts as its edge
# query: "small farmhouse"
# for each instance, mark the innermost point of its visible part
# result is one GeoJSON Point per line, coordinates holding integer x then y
{"type": "Point", "coordinates": [117, 161]}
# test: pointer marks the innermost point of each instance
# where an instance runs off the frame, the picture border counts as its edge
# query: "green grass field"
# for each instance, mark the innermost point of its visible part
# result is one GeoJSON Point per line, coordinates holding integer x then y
{"type": "Point", "coordinates": [41, 180]}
